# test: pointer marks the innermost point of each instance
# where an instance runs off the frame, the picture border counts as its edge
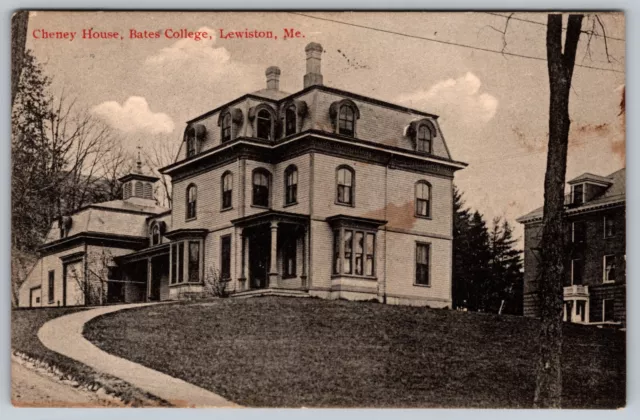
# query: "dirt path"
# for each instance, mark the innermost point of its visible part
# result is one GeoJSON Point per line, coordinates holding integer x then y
{"type": "Point", "coordinates": [32, 389]}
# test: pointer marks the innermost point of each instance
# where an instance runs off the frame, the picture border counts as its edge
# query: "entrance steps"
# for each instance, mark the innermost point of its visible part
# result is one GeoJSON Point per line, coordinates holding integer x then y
{"type": "Point", "coordinates": [271, 292]}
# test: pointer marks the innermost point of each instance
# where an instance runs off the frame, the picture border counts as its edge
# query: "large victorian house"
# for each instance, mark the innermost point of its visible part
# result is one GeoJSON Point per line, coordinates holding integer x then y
{"type": "Point", "coordinates": [321, 192]}
{"type": "Point", "coordinates": [595, 252]}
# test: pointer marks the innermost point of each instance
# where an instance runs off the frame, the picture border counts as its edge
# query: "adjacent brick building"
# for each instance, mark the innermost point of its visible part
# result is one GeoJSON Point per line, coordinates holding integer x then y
{"type": "Point", "coordinates": [595, 274]}
{"type": "Point", "coordinates": [321, 192]}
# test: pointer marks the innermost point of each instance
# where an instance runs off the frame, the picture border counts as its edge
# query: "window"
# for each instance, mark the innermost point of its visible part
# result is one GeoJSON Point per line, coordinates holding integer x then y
{"type": "Point", "coordinates": [423, 199]}
{"type": "Point", "coordinates": [261, 188]}
{"type": "Point", "coordinates": [290, 121]}
{"type": "Point", "coordinates": [609, 227]}
{"type": "Point", "coordinates": [191, 143]}
{"type": "Point", "coordinates": [180, 262]}
{"type": "Point", "coordinates": [155, 234]}
{"type": "Point", "coordinates": [422, 264]}
{"type": "Point", "coordinates": [576, 272]}
{"type": "Point", "coordinates": [194, 261]}
{"type": "Point", "coordinates": [264, 125]}
{"type": "Point", "coordinates": [225, 257]}
{"type": "Point", "coordinates": [291, 185]}
{"type": "Point", "coordinates": [346, 120]}
{"type": "Point", "coordinates": [357, 255]}
{"type": "Point", "coordinates": [192, 201]}
{"type": "Point", "coordinates": [52, 275]}
{"type": "Point", "coordinates": [607, 310]}
{"type": "Point", "coordinates": [423, 139]}
{"type": "Point", "coordinates": [227, 190]}
{"type": "Point", "coordinates": [226, 127]}
{"type": "Point", "coordinates": [609, 272]}
{"type": "Point", "coordinates": [289, 258]}
{"type": "Point", "coordinates": [148, 191]}
{"type": "Point", "coordinates": [345, 181]}
{"type": "Point", "coordinates": [127, 190]}
{"type": "Point", "coordinates": [139, 190]}
{"type": "Point", "coordinates": [578, 232]}
{"type": "Point", "coordinates": [578, 197]}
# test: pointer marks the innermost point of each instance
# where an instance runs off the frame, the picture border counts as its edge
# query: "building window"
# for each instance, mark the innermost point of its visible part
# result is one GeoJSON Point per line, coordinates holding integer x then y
{"type": "Point", "coordinates": [346, 120]}
{"type": "Point", "coordinates": [607, 310]}
{"type": "Point", "coordinates": [422, 264]}
{"type": "Point", "coordinates": [191, 143]}
{"type": "Point", "coordinates": [290, 121]}
{"type": "Point", "coordinates": [194, 262]}
{"type": "Point", "coordinates": [127, 190]}
{"type": "Point", "coordinates": [345, 185]}
{"type": "Point", "coordinates": [357, 256]}
{"type": "Point", "coordinates": [180, 262]}
{"type": "Point", "coordinates": [227, 190]}
{"type": "Point", "coordinates": [578, 194]}
{"type": "Point", "coordinates": [609, 272]}
{"type": "Point", "coordinates": [174, 263]}
{"type": "Point", "coordinates": [291, 185]}
{"type": "Point", "coordinates": [261, 188]}
{"type": "Point", "coordinates": [576, 272]}
{"type": "Point", "coordinates": [52, 277]}
{"type": "Point", "coordinates": [289, 258]}
{"type": "Point", "coordinates": [148, 191]}
{"type": "Point", "coordinates": [423, 199]}
{"type": "Point", "coordinates": [226, 127]}
{"type": "Point", "coordinates": [264, 125]}
{"type": "Point", "coordinates": [192, 201]}
{"type": "Point", "coordinates": [609, 227]}
{"type": "Point", "coordinates": [423, 139]}
{"type": "Point", "coordinates": [155, 234]}
{"type": "Point", "coordinates": [225, 257]}
{"type": "Point", "coordinates": [578, 232]}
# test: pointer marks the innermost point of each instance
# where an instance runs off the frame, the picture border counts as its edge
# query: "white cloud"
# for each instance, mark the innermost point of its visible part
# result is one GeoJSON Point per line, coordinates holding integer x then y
{"type": "Point", "coordinates": [133, 115]}
{"type": "Point", "coordinates": [456, 100]}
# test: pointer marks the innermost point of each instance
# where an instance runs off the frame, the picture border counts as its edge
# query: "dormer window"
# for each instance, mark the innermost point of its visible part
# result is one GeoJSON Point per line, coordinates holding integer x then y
{"type": "Point", "coordinates": [578, 194]}
{"type": "Point", "coordinates": [194, 135]}
{"type": "Point", "coordinates": [290, 120]}
{"type": "Point", "coordinates": [155, 234]}
{"type": "Point", "coordinates": [423, 140]}
{"type": "Point", "coordinates": [346, 121]}
{"type": "Point", "coordinates": [264, 125]}
{"type": "Point", "coordinates": [226, 127]}
{"type": "Point", "coordinates": [344, 115]}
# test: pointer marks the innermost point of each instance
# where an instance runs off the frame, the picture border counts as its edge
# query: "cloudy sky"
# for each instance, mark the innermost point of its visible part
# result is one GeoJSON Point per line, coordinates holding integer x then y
{"type": "Point", "coordinates": [493, 108]}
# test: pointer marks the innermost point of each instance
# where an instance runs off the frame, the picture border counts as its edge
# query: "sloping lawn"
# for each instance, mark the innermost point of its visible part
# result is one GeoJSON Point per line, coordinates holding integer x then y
{"type": "Point", "coordinates": [316, 353]}
{"type": "Point", "coordinates": [24, 339]}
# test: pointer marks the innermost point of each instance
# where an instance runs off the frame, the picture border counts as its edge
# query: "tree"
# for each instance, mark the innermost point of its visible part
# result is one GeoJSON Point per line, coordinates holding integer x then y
{"type": "Point", "coordinates": [505, 292]}
{"type": "Point", "coordinates": [19, 23]}
{"type": "Point", "coordinates": [560, 64]}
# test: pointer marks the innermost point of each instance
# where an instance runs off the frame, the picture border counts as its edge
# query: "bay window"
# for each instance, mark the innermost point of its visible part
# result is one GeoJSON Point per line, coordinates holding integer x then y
{"type": "Point", "coordinates": [354, 252]}
{"type": "Point", "coordinates": [186, 262]}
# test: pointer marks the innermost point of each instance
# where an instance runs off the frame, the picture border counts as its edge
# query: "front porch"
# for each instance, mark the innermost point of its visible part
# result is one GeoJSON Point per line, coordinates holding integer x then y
{"type": "Point", "coordinates": [145, 274]}
{"type": "Point", "coordinates": [576, 304]}
{"type": "Point", "coordinates": [273, 253]}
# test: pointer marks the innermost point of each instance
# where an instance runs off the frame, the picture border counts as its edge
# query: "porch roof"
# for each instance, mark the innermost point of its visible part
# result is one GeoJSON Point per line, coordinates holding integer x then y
{"type": "Point", "coordinates": [271, 215]}
{"type": "Point", "coordinates": [152, 251]}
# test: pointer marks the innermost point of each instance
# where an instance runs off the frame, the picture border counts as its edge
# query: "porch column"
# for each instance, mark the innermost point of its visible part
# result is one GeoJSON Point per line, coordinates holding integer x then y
{"type": "Point", "coordinates": [273, 268]}
{"type": "Point", "coordinates": [148, 280]}
{"type": "Point", "coordinates": [243, 275]}
{"type": "Point", "coordinates": [303, 276]}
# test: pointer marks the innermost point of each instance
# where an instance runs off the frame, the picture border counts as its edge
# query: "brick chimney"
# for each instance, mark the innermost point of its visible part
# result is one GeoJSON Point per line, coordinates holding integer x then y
{"type": "Point", "coordinates": [273, 78]}
{"type": "Point", "coordinates": [314, 73]}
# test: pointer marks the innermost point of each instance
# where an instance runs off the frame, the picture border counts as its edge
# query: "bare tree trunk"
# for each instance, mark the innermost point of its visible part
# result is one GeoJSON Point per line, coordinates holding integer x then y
{"type": "Point", "coordinates": [548, 391]}
{"type": "Point", "coordinates": [19, 22]}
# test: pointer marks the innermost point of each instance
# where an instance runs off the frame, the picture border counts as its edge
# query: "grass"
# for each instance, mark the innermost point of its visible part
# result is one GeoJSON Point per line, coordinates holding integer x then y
{"type": "Point", "coordinates": [291, 352]}
{"type": "Point", "coordinates": [24, 339]}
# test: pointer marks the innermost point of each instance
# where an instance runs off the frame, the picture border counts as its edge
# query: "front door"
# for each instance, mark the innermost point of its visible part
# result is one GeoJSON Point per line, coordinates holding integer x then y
{"type": "Point", "coordinates": [259, 248]}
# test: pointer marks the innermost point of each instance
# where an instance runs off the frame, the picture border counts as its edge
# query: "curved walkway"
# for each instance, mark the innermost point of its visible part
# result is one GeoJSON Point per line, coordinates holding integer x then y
{"type": "Point", "coordinates": [64, 335]}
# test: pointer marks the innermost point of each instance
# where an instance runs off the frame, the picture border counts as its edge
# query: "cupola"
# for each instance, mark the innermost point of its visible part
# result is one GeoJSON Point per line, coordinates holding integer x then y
{"type": "Point", "coordinates": [138, 186]}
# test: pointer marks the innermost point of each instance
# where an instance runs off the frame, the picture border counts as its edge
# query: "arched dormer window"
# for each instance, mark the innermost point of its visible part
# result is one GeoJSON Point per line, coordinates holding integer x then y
{"type": "Point", "coordinates": [193, 136]}
{"type": "Point", "coordinates": [155, 234]}
{"type": "Point", "coordinates": [344, 115]}
{"type": "Point", "coordinates": [226, 127]}
{"type": "Point", "coordinates": [227, 190]}
{"type": "Point", "coordinates": [291, 185]}
{"type": "Point", "coordinates": [290, 120]}
{"type": "Point", "coordinates": [261, 180]}
{"type": "Point", "coordinates": [264, 125]}
{"type": "Point", "coordinates": [345, 185]}
{"type": "Point", "coordinates": [422, 132]}
{"type": "Point", "coordinates": [423, 199]}
{"type": "Point", "coordinates": [192, 201]}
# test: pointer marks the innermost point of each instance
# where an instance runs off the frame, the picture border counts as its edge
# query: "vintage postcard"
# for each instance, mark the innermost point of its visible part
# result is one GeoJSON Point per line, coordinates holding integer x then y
{"type": "Point", "coordinates": [318, 209]}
